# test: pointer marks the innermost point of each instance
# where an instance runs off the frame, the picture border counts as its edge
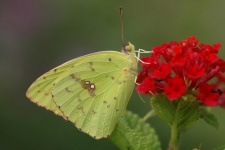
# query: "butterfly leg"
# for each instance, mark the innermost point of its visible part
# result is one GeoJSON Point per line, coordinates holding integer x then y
{"type": "Point", "coordinates": [142, 51]}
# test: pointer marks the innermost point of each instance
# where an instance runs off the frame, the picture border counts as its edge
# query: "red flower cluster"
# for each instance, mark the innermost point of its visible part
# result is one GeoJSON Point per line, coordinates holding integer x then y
{"type": "Point", "coordinates": [179, 68]}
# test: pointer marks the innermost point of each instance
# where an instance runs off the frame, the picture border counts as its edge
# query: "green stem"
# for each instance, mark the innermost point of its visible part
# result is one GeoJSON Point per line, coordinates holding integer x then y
{"type": "Point", "coordinates": [174, 138]}
{"type": "Point", "coordinates": [150, 114]}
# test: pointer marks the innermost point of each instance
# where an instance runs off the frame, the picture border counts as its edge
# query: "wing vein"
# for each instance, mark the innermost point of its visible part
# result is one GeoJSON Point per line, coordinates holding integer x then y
{"type": "Point", "coordinates": [106, 90]}
{"type": "Point", "coordinates": [114, 110]}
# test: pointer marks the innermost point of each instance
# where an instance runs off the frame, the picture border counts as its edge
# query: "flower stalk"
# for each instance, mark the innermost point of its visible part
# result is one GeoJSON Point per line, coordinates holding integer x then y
{"type": "Point", "coordinates": [174, 138]}
{"type": "Point", "coordinates": [150, 114]}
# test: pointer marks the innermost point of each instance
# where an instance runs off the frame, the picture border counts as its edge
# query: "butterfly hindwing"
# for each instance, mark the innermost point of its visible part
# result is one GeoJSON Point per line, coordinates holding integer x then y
{"type": "Point", "coordinates": [91, 91]}
{"type": "Point", "coordinates": [40, 90]}
{"type": "Point", "coordinates": [95, 110]}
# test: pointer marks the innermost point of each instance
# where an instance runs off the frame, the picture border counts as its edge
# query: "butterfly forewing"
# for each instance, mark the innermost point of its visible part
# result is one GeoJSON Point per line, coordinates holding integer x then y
{"type": "Point", "coordinates": [40, 91]}
{"type": "Point", "coordinates": [94, 93]}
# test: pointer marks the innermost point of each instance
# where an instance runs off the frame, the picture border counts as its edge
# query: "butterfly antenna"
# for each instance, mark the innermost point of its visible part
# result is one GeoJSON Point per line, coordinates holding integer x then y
{"type": "Point", "coordinates": [121, 22]}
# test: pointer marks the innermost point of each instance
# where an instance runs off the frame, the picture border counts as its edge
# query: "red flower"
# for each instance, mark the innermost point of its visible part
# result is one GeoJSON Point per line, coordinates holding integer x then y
{"type": "Point", "coordinates": [208, 95]}
{"type": "Point", "coordinates": [195, 72]}
{"type": "Point", "coordinates": [178, 65]}
{"type": "Point", "coordinates": [190, 42]}
{"type": "Point", "coordinates": [146, 86]}
{"type": "Point", "coordinates": [210, 49]}
{"type": "Point", "coordinates": [147, 67]}
{"type": "Point", "coordinates": [162, 72]}
{"type": "Point", "coordinates": [177, 68]}
{"type": "Point", "coordinates": [175, 88]}
{"type": "Point", "coordinates": [222, 99]}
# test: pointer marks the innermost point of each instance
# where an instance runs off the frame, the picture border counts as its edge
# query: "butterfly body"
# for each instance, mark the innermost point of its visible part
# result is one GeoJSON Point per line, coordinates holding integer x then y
{"type": "Point", "coordinates": [91, 91]}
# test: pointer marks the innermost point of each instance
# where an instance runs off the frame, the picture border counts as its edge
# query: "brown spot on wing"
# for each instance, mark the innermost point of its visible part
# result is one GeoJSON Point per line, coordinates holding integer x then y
{"type": "Point", "coordinates": [82, 109]}
{"type": "Point", "coordinates": [91, 63]}
{"type": "Point", "coordinates": [89, 86]}
{"type": "Point", "coordinates": [92, 69]}
{"type": "Point", "coordinates": [85, 84]}
{"type": "Point", "coordinates": [79, 99]}
{"type": "Point", "coordinates": [126, 71]}
{"type": "Point", "coordinates": [92, 94]}
{"type": "Point", "coordinates": [68, 90]}
{"type": "Point", "coordinates": [74, 77]}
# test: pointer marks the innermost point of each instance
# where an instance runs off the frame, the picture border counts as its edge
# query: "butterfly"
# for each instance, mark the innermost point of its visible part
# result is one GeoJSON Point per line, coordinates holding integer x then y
{"type": "Point", "coordinates": [91, 91]}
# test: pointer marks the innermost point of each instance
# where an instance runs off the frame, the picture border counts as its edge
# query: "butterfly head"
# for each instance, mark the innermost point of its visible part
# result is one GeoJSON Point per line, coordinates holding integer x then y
{"type": "Point", "coordinates": [128, 48]}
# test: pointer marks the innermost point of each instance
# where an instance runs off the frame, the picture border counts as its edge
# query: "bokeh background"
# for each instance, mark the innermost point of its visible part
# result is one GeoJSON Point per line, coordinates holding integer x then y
{"type": "Point", "coordinates": [37, 35]}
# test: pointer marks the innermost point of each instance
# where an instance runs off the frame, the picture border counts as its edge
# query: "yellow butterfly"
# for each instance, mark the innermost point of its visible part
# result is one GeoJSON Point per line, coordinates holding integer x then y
{"type": "Point", "coordinates": [91, 91]}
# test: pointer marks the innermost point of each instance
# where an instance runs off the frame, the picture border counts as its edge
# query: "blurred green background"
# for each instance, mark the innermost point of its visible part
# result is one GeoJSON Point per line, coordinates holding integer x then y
{"type": "Point", "coordinates": [36, 36]}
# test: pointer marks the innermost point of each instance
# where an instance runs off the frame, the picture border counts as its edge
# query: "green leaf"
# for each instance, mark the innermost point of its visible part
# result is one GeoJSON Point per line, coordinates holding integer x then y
{"type": "Point", "coordinates": [132, 133]}
{"type": "Point", "coordinates": [220, 148]}
{"type": "Point", "coordinates": [181, 113]}
{"type": "Point", "coordinates": [209, 118]}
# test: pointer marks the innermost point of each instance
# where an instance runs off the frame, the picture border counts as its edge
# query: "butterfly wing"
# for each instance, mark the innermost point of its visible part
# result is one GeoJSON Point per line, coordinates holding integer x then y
{"type": "Point", "coordinates": [94, 108]}
{"type": "Point", "coordinates": [40, 91]}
